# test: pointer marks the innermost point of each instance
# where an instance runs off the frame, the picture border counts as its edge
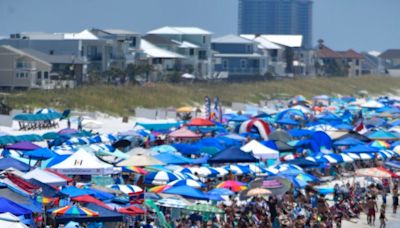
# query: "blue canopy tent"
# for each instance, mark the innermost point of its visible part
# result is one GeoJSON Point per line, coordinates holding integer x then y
{"type": "Point", "coordinates": [322, 139]}
{"type": "Point", "coordinates": [39, 154]}
{"type": "Point", "coordinates": [362, 149]}
{"type": "Point", "coordinates": [303, 163]}
{"type": "Point", "coordinates": [349, 141]}
{"type": "Point", "coordinates": [12, 207]}
{"type": "Point", "coordinates": [187, 149]}
{"type": "Point", "coordinates": [298, 133]}
{"type": "Point", "coordinates": [9, 162]}
{"type": "Point", "coordinates": [188, 192]}
{"type": "Point", "coordinates": [37, 117]}
{"type": "Point", "coordinates": [174, 159]}
{"type": "Point", "coordinates": [232, 155]}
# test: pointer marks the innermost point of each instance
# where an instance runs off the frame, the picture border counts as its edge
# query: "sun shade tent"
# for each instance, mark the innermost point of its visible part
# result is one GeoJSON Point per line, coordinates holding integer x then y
{"type": "Point", "coordinates": [12, 207]}
{"type": "Point", "coordinates": [183, 133]}
{"type": "Point", "coordinates": [140, 160]}
{"type": "Point", "coordinates": [200, 122]}
{"type": "Point", "coordinates": [232, 155]}
{"type": "Point", "coordinates": [83, 163]}
{"type": "Point", "coordinates": [23, 146]}
{"type": "Point", "coordinates": [260, 151]}
{"type": "Point", "coordinates": [8, 220]}
{"type": "Point", "coordinates": [45, 177]}
{"type": "Point", "coordinates": [37, 117]}
{"type": "Point", "coordinates": [9, 162]}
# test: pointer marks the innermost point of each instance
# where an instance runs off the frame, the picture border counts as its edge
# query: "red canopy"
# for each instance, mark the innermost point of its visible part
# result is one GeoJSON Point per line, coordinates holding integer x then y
{"type": "Point", "coordinates": [183, 133]}
{"type": "Point", "coordinates": [90, 199]}
{"type": "Point", "coordinates": [200, 122]}
{"type": "Point", "coordinates": [26, 186]}
{"type": "Point", "coordinates": [131, 210]}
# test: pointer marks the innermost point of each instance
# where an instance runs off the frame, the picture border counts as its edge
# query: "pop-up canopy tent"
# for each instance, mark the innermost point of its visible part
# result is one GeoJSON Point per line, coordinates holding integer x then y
{"type": "Point", "coordinates": [45, 177]}
{"type": "Point", "coordinates": [260, 151]}
{"type": "Point", "coordinates": [10, 162]}
{"type": "Point", "coordinates": [83, 163]}
{"type": "Point", "coordinates": [232, 155]}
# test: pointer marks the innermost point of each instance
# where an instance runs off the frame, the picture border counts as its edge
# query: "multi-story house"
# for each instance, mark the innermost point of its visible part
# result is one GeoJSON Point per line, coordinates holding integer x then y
{"type": "Point", "coordinates": [101, 50]}
{"type": "Point", "coordinates": [31, 69]}
{"type": "Point", "coordinates": [337, 63]}
{"type": "Point", "coordinates": [193, 43]}
{"type": "Point", "coordinates": [238, 57]}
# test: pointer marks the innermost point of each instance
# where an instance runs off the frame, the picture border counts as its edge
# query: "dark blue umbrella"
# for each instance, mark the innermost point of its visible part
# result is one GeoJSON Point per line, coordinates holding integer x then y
{"type": "Point", "coordinates": [232, 155]}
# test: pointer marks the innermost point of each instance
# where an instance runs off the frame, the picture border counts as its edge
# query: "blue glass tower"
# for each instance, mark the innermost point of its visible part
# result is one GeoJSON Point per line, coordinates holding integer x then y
{"type": "Point", "coordinates": [277, 17]}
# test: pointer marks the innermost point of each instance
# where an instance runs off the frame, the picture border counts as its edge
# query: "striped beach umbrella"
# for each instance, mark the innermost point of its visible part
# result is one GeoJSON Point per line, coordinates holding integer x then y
{"type": "Point", "coordinates": [74, 211]}
{"type": "Point", "coordinates": [238, 169]}
{"type": "Point", "coordinates": [133, 169]}
{"type": "Point", "coordinates": [125, 188]}
{"type": "Point", "coordinates": [385, 154]}
{"type": "Point", "coordinates": [187, 182]}
{"type": "Point", "coordinates": [161, 177]}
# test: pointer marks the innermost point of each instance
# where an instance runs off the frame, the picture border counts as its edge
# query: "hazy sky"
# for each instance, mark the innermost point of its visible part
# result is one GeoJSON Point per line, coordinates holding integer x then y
{"type": "Point", "coordinates": [359, 24]}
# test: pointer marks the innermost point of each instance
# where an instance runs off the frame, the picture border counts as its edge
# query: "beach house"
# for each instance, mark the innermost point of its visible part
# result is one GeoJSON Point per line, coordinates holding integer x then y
{"type": "Point", "coordinates": [31, 69]}
{"type": "Point", "coordinates": [193, 43]}
{"type": "Point", "coordinates": [238, 57]}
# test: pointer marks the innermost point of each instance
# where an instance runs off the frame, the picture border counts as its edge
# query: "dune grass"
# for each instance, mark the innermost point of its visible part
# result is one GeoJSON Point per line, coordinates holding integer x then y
{"type": "Point", "coordinates": [122, 100]}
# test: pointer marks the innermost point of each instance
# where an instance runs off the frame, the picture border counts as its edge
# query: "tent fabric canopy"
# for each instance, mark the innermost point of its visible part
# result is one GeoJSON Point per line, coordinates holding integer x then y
{"type": "Point", "coordinates": [23, 146]}
{"type": "Point", "coordinates": [83, 163]}
{"type": "Point", "coordinates": [260, 151]}
{"type": "Point", "coordinates": [37, 117]}
{"type": "Point", "coordinates": [9, 162]}
{"type": "Point", "coordinates": [12, 207]}
{"type": "Point", "coordinates": [45, 177]}
{"type": "Point", "coordinates": [232, 155]}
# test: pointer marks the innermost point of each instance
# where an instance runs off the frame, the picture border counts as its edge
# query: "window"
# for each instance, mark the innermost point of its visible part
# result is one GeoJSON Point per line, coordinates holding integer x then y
{"type": "Point", "coordinates": [225, 64]}
{"type": "Point", "coordinates": [46, 75]}
{"type": "Point", "coordinates": [133, 42]}
{"type": "Point", "coordinates": [39, 75]}
{"type": "Point", "coordinates": [243, 63]}
{"type": "Point", "coordinates": [204, 39]}
{"type": "Point", "coordinates": [357, 62]}
{"type": "Point", "coordinates": [202, 55]}
{"type": "Point", "coordinates": [249, 49]}
{"type": "Point", "coordinates": [191, 51]}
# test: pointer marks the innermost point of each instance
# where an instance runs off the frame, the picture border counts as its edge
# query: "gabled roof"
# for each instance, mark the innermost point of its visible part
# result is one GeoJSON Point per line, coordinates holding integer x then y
{"type": "Point", "coordinates": [18, 51]}
{"type": "Point", "coordinates": [119, 32]}
{"type": "Point", "coordinates": [158, 40]}
{"type": "Point", "coordinates": [232, 39]}
{"type": "Point", "coordinates": [180, 31]}
{"type": "Point", "coordinates": [263, 42]}
{"type": "Point", "coordinates": [351, 54]}
{"type": "Point", "coordinates": [185, 44]}
{"type": "Point", "coordinates": [66, 59]}
{"type": "Point", "coordinates": [155, 52]}
{"type": "Point", "coordinates": [84, 35]}
{"type": "Point", "coordinates": [325, 52]}
{"type": "Point", "coordinates": [391, 54]}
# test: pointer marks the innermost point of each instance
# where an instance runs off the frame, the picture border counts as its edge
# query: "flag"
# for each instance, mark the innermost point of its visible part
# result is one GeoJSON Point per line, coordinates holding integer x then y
{"type": "Point", "coordinates": [207, 107]}
{"type": "Point", "coordinates": [358, 123]}
{"type": "Point", "coordinates": [360, 128]}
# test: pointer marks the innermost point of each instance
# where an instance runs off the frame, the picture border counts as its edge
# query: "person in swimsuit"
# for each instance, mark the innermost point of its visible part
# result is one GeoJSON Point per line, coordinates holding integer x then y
{"type": "Point", "coordinates": [382, 217]}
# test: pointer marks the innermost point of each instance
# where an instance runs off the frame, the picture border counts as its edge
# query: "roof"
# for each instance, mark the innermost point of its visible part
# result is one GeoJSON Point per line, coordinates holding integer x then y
{"type": "Point", "coordinates": [84, 35]}
{"type": "Point", "coordinates": [158, 40]}
{"type": "Point", "coordinates": [18, 51]}
{"type": "Point", "coordinates": [263, 42]}
{"type": "Point", "coordinates": [185, 44]}
{"type": "Point", "coordinates": [42, 35]}
{"type": "Point", "coordinates": [232, 39]}
{"type": "Point", "coordinates": [180, 31]}
{"type": "Point", "coordinates": [120, 32]}
{"type": "Point", "coordinates": [326, 52]}
{"type": "Point", "coordinates": [155, 52]}
{"type": "Point", "coordinates": [68, 59]}
{"type": "Point", "coordinates": [285, 40]}
{"type": "Point", "coordinates": [391, 54]}
{"type": "Point", "coordinates": [253, 55]}
{"type": "Point", "coordinates": [350, 54]}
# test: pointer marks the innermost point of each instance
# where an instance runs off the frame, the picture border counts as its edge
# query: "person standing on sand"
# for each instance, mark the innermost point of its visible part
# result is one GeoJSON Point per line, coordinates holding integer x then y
{"type": "Point", "coordinates": [372, 208]}
{"type": "Point", "coordinates": [382, 217]}
{"type": "Point", "coordinates": [395, 196]}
